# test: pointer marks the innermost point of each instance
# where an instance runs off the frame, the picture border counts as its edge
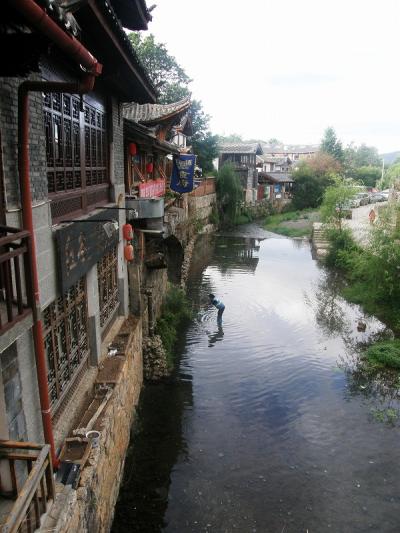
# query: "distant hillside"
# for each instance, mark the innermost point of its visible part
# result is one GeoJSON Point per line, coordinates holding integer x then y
{"type": "Point", "coordinates": [390, 157]}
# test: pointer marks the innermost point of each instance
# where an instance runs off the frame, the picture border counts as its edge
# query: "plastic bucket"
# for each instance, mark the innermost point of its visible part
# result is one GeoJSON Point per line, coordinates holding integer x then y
{"type": "Point", "coordinates": [94, 437]}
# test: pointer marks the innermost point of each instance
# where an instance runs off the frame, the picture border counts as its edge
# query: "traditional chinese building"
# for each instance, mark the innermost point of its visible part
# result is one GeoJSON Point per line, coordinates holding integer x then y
{"type": "Point", "coordinates": [63, 275]}
{"type": "Point", "coordinates": [243, 157]}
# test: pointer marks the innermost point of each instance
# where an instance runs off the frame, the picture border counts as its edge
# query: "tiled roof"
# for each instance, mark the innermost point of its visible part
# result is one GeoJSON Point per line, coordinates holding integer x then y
{"type": "Point", "coordinates": [289, 148]}
{"type": "Point", "coordinates": [155, 113]}
{"type": "Point", "coordinates": [241, 148]}
{"type": "Point", "coordinates": [277, 177]}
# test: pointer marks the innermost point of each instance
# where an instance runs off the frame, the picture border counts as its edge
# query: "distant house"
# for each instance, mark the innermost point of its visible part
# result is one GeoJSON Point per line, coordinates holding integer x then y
{"type": "Point", "coordinates": [266, 163]}
{"type": "Point", "coordinates": [243, 156]}
{"type": "Point", "coordinates": [294, 152]}
{"type": "Point", "coordinates": [275, 186]}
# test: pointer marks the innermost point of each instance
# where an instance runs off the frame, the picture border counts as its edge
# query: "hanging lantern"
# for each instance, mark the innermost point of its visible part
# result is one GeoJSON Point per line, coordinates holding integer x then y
{"type": "Point", "coordinates": [132, 149]}
{"type": "Point", "coordinates": [149, 168]}
{"type": "Point", "coordinates": [128, 252]}
{"type": "Point", "coordinates": [127, 232]}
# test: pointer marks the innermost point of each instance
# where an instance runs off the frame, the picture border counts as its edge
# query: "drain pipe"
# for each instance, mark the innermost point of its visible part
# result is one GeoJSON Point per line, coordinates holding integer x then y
{"type": "Point", "coordinates": [37, 17]}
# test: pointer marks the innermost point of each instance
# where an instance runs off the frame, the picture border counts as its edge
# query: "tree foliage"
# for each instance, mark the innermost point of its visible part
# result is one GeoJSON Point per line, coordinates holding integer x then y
{"type": "Point", "coordinates": [336, 199]}
{"type": "Point", "coordinates": [171, 82]}
{"type": "Point", "coordinates": [332, 145]}
{"type": "Point", "coordinates": [168, 77]}
{"type": "Point", "coordinates": [362, 156]}
{"type": "Point", "coordinates": [229, 193]}
{"type": "Point", "coordinates": [391, 177]}
{"type": "Point", "coordinates": [310, 181]}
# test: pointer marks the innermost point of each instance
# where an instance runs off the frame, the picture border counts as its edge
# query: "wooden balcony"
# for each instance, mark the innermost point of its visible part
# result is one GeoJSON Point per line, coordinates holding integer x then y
{"type": "Point", "coordinates": [16, 295]}
{"type": "Point", "coordinates": [26, 485]}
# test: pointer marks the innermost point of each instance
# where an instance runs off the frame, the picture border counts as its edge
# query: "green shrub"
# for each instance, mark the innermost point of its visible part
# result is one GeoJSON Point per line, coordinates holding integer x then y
{"type": "Point", "coordinates": [343, 250]}
{"type": "Point", "coordinates": [384, 354]}
{"type": "Point", "coordinates": [175, 314]}
{"type": "Point", "coordinates": [214, 216]}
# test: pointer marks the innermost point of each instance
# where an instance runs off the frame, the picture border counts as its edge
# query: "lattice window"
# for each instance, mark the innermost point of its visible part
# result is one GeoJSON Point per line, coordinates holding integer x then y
{"type": "Point", "coordinates": [66, 341]}
{"type": "Point", "coordinates": [76, 148]}
{"type": "Point", "coordinates": [63, 144]}
{"type": "Point", "coordinates": [107, 274]}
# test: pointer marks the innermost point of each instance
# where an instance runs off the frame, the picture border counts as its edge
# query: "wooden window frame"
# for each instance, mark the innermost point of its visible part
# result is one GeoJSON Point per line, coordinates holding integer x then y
{"type": "Point", "coordinates": [78, 176]}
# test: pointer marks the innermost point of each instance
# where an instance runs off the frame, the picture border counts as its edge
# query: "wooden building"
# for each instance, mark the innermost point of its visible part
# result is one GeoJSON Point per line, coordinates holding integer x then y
{"type": "Point", "coordinates": [63, 279]}
{"type": "Point", "coordinates": [243, 157]}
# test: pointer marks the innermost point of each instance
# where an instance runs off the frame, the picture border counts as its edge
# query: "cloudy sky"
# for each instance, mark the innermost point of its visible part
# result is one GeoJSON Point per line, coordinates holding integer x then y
{"type": "Point", "coordinates": [290, 68]}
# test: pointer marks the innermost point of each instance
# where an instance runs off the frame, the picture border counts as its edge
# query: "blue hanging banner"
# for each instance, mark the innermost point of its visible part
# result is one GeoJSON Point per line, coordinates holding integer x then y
{"type": "Point", "coordinates": [183, 172]}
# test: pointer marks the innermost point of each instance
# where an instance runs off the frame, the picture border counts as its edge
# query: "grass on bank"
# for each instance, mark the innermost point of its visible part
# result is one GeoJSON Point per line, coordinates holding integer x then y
{"type": "Point", "coordinates": [176, 313]}
{"type": "Point", "coordinates": [383, 354]}
{"type": "Point", "coordinates": [292, 223]}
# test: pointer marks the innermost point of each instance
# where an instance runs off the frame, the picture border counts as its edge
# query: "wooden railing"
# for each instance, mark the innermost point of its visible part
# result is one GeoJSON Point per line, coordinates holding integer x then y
{"type": "Point", "coordinates": [16, 297]}
{"type": "Point", "coordinates": [32, 486]}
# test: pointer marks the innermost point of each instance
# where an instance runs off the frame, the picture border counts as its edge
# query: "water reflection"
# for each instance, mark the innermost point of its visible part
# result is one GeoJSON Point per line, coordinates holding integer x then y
{"type": "Point", "coordinates": [215, 337]}
{"type": "Point", "coordinates": [274, 429]}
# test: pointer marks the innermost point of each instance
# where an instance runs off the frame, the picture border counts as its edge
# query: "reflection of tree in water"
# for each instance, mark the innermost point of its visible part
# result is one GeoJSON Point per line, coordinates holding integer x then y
{"type": "Point", "coordinates": [329, 308]}
{"type": "Point", "coordinates": [380, 389]}
{"type": "Point", "coordinates": [156, 444]}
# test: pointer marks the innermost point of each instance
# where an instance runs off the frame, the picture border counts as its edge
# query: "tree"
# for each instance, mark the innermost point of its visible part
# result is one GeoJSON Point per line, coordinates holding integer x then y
{"type": "Point", "coordinates": [311, 179]}
{"type": "Point", "coordinates": [391, 177]}
{"type": "Point", "coordinates": [331, 145]}
{"type": "Point", "coordinates": [368, 176]}
{"type": "Point", "coordinates": [229, 193]}
{"type": "Point", "coordinates": [232, 138]}
{"type": "Point", "coordinates": [336, 199]}
{"type": "Point", "coordinates": [168, 77]}
{"type": "Point", "coordinates": [171, 82]}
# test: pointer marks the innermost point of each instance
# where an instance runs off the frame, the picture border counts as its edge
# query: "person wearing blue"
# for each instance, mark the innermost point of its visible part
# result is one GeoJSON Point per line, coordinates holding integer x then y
{"type": "Point", "coordinates": [219, 305]}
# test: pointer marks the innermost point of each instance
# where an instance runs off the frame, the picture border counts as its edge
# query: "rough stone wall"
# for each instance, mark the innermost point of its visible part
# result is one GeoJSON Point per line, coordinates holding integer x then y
{"type": "Point", "coordinates": [9, 141]}
{"type": "Point", "coordinates": [200, 207]}
{"type": "Point", "coordinates": [158, 280]}
{"type": "Point", "coordinates": [90, 508]}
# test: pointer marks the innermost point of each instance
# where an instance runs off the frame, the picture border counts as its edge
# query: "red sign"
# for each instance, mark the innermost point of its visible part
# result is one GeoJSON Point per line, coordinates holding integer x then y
{"type": "Point", "coordinates": [152, 188]}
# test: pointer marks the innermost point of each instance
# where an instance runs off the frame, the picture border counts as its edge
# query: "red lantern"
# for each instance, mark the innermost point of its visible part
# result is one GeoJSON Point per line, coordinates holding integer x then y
{"type": "Point", "coordinates": [132, 149]}
{"type": "Point", "coordinates": [149, 168]}
{"type": "Point", "coordinates": [127, 232]}
{"type": "Point", "coordinates": [128, 252]}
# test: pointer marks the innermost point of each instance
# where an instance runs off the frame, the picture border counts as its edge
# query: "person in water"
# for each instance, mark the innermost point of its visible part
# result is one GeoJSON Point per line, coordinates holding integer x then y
{"type": "Point", "coordinates": [219, 305]}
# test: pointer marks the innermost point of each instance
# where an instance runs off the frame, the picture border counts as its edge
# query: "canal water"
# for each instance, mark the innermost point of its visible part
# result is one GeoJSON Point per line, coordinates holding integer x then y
{"type": "Point", "coordinates": [268, 424]}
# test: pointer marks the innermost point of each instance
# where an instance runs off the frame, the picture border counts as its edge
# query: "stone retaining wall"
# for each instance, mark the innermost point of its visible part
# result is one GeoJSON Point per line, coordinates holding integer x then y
{"type": "Point", "coordinates": [90, 508]}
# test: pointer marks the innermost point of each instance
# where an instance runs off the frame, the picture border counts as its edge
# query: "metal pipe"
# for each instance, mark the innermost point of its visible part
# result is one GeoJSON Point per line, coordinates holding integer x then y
{"type": "Point", "coordinates": [74, 49]}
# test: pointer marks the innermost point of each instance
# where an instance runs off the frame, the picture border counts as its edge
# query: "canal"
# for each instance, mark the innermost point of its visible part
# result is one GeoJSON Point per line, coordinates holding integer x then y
{"type": "Point", "coordinates": [268, 424]}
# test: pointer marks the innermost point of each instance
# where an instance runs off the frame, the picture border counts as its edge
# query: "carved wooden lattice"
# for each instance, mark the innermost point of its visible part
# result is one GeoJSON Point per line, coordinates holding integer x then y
{"type": "Point", "coordinates": [107, 274]}
{"type": "Point", "coordinates": [66, 341]}
{"type": "Point", "coordinates": [76, 152]}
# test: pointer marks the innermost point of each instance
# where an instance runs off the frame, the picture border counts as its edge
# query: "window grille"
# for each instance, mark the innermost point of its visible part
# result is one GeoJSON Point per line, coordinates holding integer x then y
{"type": "Point", "coordinates": [66, 341]}
{"type": "Point", "coordinates": [76, 151]}
{"type": "Point", "coordinates": [107, 275]}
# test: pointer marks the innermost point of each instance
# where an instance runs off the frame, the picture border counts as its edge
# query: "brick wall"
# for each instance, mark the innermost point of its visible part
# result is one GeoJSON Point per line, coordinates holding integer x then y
{"type": "Point", "coordinates": [9, 140]}
{"type": "Point", "coordinates": [118, 142]}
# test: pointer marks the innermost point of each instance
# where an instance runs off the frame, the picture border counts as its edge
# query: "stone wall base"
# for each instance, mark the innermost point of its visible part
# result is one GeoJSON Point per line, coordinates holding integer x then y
{"type": "Point", "coordinates": [90, 508]}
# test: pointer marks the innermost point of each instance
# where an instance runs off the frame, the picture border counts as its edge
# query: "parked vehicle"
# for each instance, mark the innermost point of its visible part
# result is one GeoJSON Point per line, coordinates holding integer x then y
{"type": "Point", "coordinates": [345, 209]}
{"type": "Point", "coordinates": [377, 197]}
{"type": "Point", "coordinates": [385, 193]}
{"type": "Point", "coordinates": [363, 198]}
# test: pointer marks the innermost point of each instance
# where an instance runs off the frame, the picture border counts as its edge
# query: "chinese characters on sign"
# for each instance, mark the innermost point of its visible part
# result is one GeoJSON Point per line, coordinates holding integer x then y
{"type": "Point", "coordinates": [80, 246]}
{"type": "Point", "coordinates": [152, 188]}
{"type": "Point", "coordinates": [182, 173]}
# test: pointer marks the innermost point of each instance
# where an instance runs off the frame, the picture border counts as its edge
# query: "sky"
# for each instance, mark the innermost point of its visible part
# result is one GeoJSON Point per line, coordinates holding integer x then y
{"type": "Point", "coordinates": [289, 69]}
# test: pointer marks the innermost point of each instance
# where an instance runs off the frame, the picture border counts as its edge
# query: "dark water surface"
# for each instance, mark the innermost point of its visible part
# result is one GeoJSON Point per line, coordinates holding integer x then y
{"type": "Point", "coordinates": [268, 425]}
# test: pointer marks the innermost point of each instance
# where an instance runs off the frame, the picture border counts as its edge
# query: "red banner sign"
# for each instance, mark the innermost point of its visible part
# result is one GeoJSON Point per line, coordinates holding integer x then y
{"type": "Point", "coordinates": [152, 188]}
